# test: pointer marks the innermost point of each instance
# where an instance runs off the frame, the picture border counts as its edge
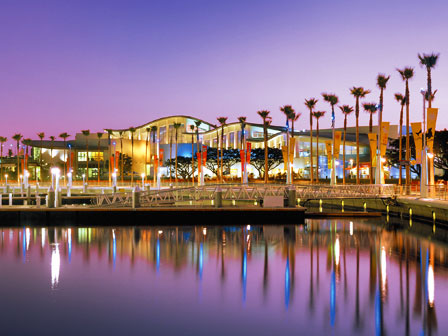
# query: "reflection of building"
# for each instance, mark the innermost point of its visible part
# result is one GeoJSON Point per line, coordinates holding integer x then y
{"type": "Point", "coordinates": [145, 143]}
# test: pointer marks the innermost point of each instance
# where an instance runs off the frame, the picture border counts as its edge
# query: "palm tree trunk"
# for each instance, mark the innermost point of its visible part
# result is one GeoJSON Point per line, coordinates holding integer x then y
{"type": "Point", "coordinates": [357, 141]}
{"type": "Point", "coordinates": [175, 165]}
{"type": "Point", "coordinates": [98, 157]}
{"type": "Point", "coordinates": [171, 149]}
{"type": "Point", "coordinates": [408, 167]}
{"type": "Point", "coordinates": [222, 154]}
{"type": "Point", "coordinates": [122, 157]}
{"type": "Point", "coordinates": [87, 160]}
{"type": "Point", "coordinates": [317, 156]}
{"type": "Point", "coordinates": [343, 151]}
{"type": "Point", "coordinates": [266, 150]}
{"type": "Point", "coordinates": [192, 159]}
{"type": "Point", "coordinates": [400, 147]}
{"type": "Point", "coordinates": [311, 148]}
{"type": "Point", "coordinates": [371, 154]}
{"type": "Point", "coordinates": [132, 159]}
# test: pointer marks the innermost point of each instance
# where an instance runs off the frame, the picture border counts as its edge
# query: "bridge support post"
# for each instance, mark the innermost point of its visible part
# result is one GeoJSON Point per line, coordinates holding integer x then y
{"type": "Point", "coordinates": [291, 197]}
{"type": "Point", "coordinates": [218, 198]}
{"type": "Point", "coordinates": [84, 188]}
{"type": "Point", "coordinates": [28, 194]}
{"type": "Point", "coordinates": [136, 197]}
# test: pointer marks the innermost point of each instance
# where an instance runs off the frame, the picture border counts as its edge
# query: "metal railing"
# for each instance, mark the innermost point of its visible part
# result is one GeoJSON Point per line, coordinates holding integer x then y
{"type": "Point", "coordinates": [239, 192]}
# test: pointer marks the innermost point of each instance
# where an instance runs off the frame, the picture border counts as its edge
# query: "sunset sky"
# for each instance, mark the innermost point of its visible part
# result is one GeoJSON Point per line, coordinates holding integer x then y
{"type": "Point", "coordinates": [72, 65]}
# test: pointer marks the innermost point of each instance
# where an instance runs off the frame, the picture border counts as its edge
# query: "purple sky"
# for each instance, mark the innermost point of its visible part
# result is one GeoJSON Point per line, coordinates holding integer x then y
{"type": "Point", "coordinates": [72, 65]}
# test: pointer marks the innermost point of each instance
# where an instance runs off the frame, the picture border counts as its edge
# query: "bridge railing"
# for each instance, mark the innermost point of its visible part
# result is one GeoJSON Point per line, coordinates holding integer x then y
{"type": "Point", "coordinates": [240, 192]}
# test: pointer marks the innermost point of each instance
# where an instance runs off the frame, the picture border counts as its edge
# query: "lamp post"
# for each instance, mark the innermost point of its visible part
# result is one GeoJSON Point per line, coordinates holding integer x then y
{"type": "Point", "coordinates": [379, 163]}
{"type": "Point", "coordinates": [424, 172]}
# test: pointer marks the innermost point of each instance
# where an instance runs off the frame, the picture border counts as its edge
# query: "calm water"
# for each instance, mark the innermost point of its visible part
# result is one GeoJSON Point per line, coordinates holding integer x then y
{"type": "Point", "coordinates": [327, 277]}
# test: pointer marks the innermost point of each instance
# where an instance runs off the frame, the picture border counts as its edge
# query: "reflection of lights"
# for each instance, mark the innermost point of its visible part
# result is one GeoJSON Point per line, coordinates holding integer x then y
{"type": "Point", "coordinates": [28, 236]}
{"type": "Point", "coordinates": [287, 283]}
{"type": "Point", "coordinates": [69, 242]}
{"type": "Point", "coordinates": [160, 232]}
{"type": "Point", "coordinates": [158, 255]}
{"type": "Point", "coordinates": [204, 231]}
{"type": "Point", "coordinates": [43, 236]}
{"type": "Point", "coordinates": [430, 155]}
{"type": "Point", "coordinates": [114, 247]}
{"type": "Point", "coordinates": [248, 228]}
{"type": "Point", "coordinates": [336, 251]}
{"type": "Point", "coordinates": [55, 266]}
{"type": "Point", "coordinates": [201, 260]}
{"type": "Point", "coordinates": [430, 286]}
{"type": "Point", "coordinates": [383, 270]}
{"type": "Point", "coordinates": [351, 228]}
{"type": "Point", "coordinates": [244, 275]}
{"type": "Point", "coordinates": [333, 298]}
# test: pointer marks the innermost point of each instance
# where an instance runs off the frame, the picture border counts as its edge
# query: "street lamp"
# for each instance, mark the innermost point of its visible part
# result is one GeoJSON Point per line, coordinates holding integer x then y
{"type": "Point", "coordinates": [424, 173]}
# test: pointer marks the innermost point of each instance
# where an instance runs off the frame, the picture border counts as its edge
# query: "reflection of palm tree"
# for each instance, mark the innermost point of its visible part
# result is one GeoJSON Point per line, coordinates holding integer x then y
{"type": "Point", "coordinates": [265, 269]}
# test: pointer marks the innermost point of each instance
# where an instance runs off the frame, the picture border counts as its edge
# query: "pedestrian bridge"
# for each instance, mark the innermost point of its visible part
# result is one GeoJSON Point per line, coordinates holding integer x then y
{"type": "Point", "coordinates": [205, 195]}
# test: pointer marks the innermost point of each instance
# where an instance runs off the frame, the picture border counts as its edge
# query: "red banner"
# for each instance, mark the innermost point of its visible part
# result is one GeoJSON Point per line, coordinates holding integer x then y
{"type": "Point", "coordinates": [161, 152]}
{"type": "Point", "coordinates": [204, 155]}
{"type": "Point", "coordinates": [117, 157]}
{"type": "Point", "coordinates": [243, 157]}
{"type": "Point", "coordinates": [199, 157]}
{"type": "Point", "coordinates": [249, 147]}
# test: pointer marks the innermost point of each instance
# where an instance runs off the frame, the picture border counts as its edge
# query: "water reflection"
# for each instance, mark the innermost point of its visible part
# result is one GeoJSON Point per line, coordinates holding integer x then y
{"type": "Point", "coordinates": [374, 278]}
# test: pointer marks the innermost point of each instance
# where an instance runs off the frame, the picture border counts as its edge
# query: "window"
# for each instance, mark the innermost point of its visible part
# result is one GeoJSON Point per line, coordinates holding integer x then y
{"type": "Point", "coordinates": [82, 156]}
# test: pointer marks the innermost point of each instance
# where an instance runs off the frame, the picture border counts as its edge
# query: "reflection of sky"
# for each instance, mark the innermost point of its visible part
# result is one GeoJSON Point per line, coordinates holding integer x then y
{"type": "Point", "coordinates": [156, 280]}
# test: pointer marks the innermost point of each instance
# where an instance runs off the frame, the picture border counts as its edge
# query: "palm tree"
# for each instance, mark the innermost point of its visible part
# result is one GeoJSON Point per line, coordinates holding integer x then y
{"type": "Point", "coordinates": [154, 140]}
{"type": "Point", "coordinates": [332, 99]}
{"type": "Point", "coordinates": [17, 137]}
{"type": "Point", "coordinates": [99, 135]}
{"type": "Point", "coordinates": [402, 100]}
{"type": "Point", "coordinates": [52, 138]}
{"type": "Point", "coordinates": [222, 122]}
{"type": "Point", "coordinates": [86, 133]}
{"type": "Point", "coordinates": [2, 141]}
{"type": "Point", "coordinates": [111, 156]}
{"type": "Point", "coordinates": [289, 112]}
{"type": "Point", "coordinates": [346, 110]}
{"type": "Point", "coordinates": [318, 115]}
{"type": "Point", "coordinates": [264, 114]}
{"type": "Point", "coordinates": [176, 133]}
{"type": "Point", "coordinates": [120, 133]}
{"type": "Point", "coordinates": [381, 82]}
{"type": "Point", "coordinates": [311, 103]}
{"type": "Point", "coordinates": [148, 129]}
{"type": "Point", "coordinates": [358, 92]}
{"type": "Point", "coordinates": [27, 142]}
{"type": "Point", "coordinates": [242, 121]}
{"type": "Point", "coordinates": [192, 153]}
{"type": "Point", "coordinates": [371, 109]}
{"type": "Point", "coordinates": [406, 74]}
{"type": "Point", "coordinates": [132, 131]}
{"type": "Point", "coordinates": [41, 136]}
{"type": "Point", "coordinates": [429, 61]}
{"type": "Point", "coordinates": [64, 136]}
{"type": "Point", "coordinates": [198, 150]}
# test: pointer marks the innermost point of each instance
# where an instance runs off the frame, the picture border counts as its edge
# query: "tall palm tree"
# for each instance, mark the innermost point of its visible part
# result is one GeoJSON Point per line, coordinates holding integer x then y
{"type": "Point", "coordinates": [176, 134]}
{"type": "Point", "coordinates": [120, 133]}
{"type": "Point", "coordinates": [52, 138]}
{"type": "Point", "coordinates": [111, 156]}
{"type": "Point", "coordinates": [192, 153]}
{"type": "Point", "coordinates": [264, 114]}
{"type": "Point", "coordinates": [198, 150]}
{"type": "Point", "coordinates": [132, 131]}
{"type": "Point", "coordinates": [64, 137]}
{"type": "Point", "coordinates": [429, 61]}
{"type": "Point", "coordinates": [371, 109]}
{"type": "Point", "coordinates": [406, 74]}
{"type": "Point", "coordinates": [154, 143]}
{"type": "Point", "coordinates": [148, 130]}
{"type": "Point", "coordinates": [17, 137]}
{"type": "Point", "coordinates": [41, 136]}
{"type": "Point", "coordinates": [2, 141]}
{"type": "Point", "coordinates": [222, 122]}
{"type": "Point", "coordinates": [86, 133]}
{"type": "Point", "coordinates": [27, 142]}
{"type": "Point", "coordinates": [381, 82]}
{"type": "Point", "coordinates": [402, 100]}
{"type": "Point", "coordinates": [289, 113]}
{"type": "Point", "coordinates": [99, 135]}
{"type": "Point", "coordinates": [318, 115]}
{"type": "Point", "coordinates": [311, 103]}
{"type": "Point", "coordinates": [358, 92]}
{"type": "Point", "coordinates": [333, 100]}
{"type": "Point", "coordinates": [346, 110]}
{"type": "Point", "coordinates": [242, 121]}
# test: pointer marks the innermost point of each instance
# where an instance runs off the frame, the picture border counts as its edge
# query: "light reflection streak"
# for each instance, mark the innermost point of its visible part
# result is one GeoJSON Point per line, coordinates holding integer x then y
{"type": "Point", "coordinates": [431, 286]}
{"type": "Point", "coordinates": [287, 283]}
{"type": "Point", "coordinates": [55, 265]}
{"type": "Point", "coordinates": [333, 298]}
{"type": "Point", "coordinates": [43, 237]}
{"type": "Point", "coordinates": [337, 252]}
{"type": "Point", "coordinates": [244, 275]}
{"type": "Point", "coordinates": [69, 243]}
{"type": "Point", "coordinates": [114, 248]}
{"type": "Point", "coordinates": [383, 271]}
{"type": "Point", "coordinates": [158, 255]}
{"type": "Point", "coordinates": [28, 236]}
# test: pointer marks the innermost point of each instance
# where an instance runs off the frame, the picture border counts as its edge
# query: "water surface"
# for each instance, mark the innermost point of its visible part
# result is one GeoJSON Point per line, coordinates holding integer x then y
{"type": "Point", "coordinates": [326, 277]}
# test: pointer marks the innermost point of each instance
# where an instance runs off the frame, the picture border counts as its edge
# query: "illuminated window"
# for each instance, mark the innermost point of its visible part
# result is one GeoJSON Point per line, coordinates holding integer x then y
{"type": "Point", "coordinates": [82, 156]}
{"type": "Point", "coordinates": [96, 156]}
